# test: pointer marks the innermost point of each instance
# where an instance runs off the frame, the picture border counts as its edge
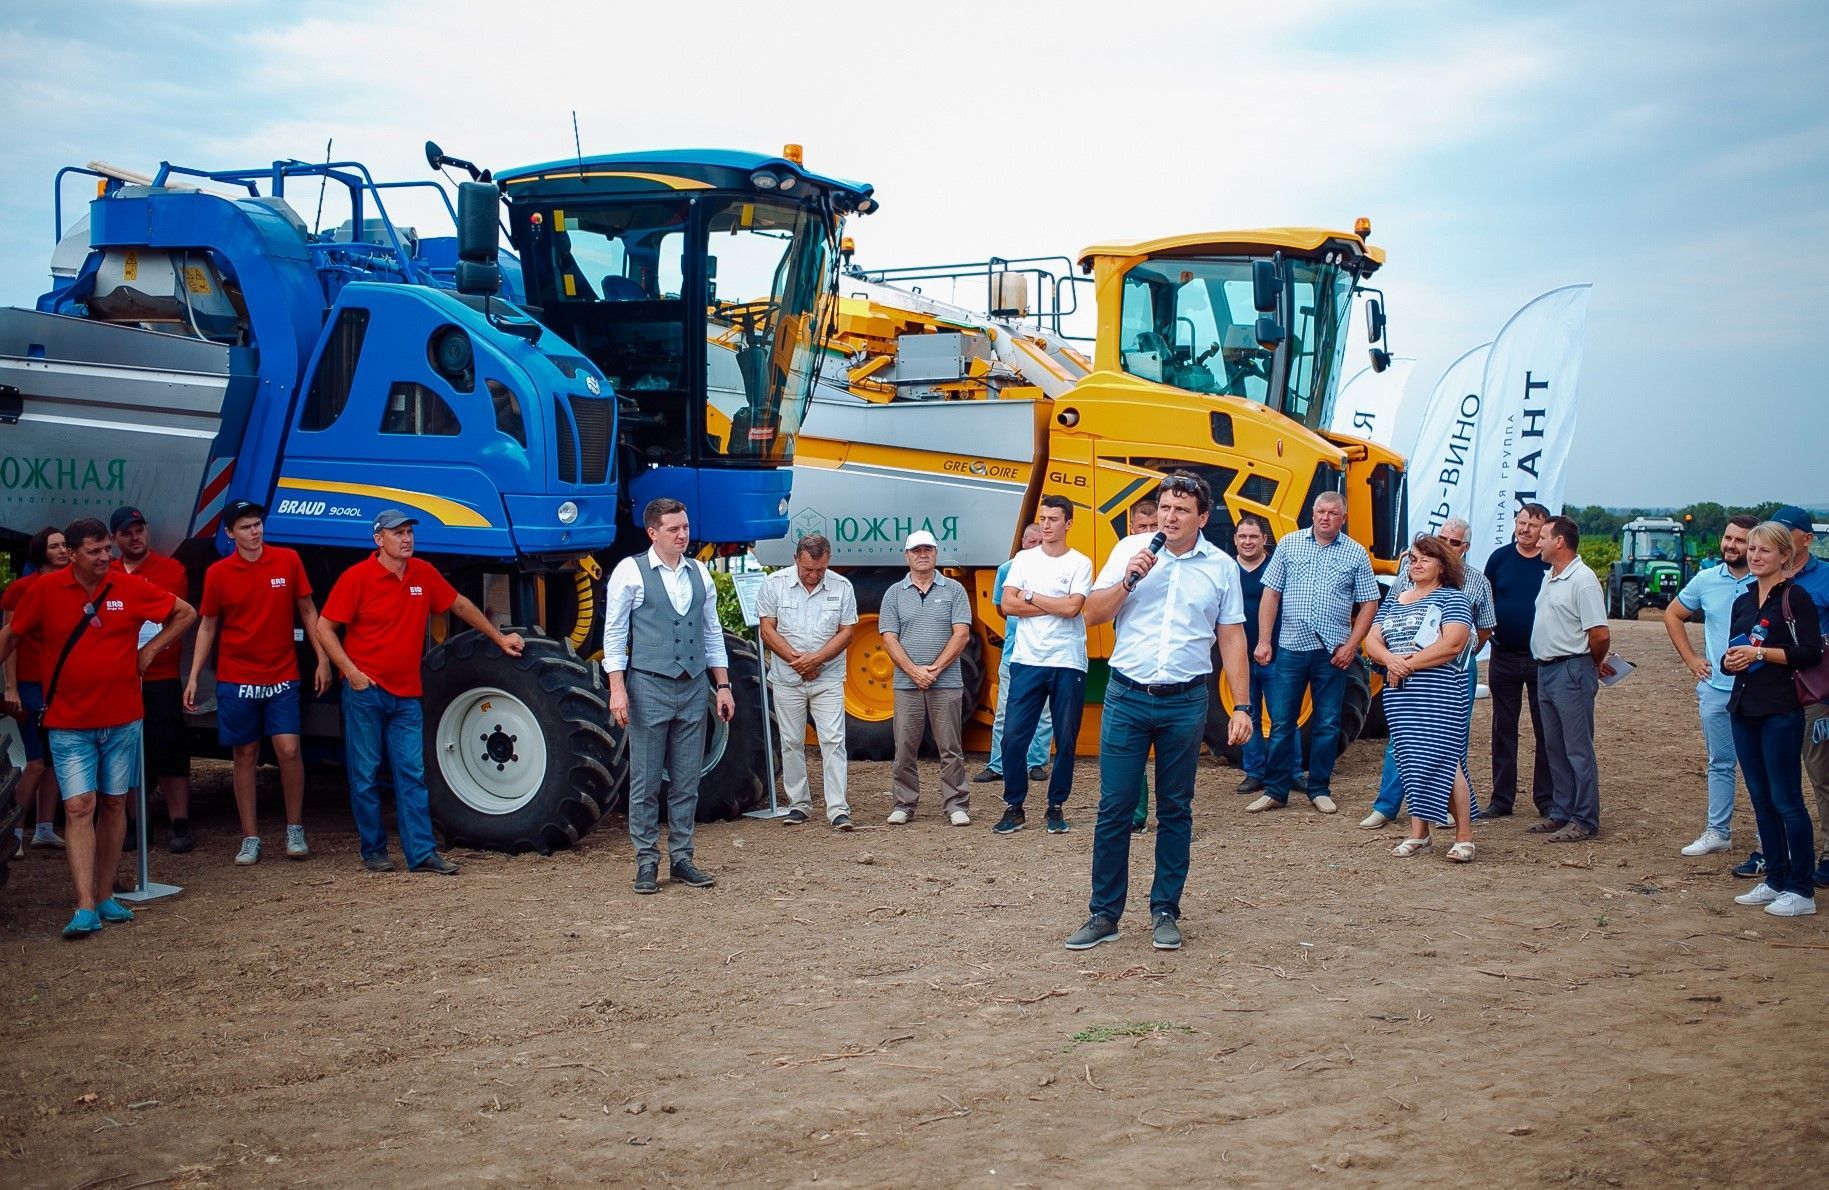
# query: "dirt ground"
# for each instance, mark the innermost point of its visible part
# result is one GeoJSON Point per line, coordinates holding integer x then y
{"type": "Point", "coordinates": [894, 1006]}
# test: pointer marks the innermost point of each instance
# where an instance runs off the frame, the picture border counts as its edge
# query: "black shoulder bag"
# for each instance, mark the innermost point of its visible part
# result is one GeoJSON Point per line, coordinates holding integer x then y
{"type": "Point", "coordinates": [50, 690]}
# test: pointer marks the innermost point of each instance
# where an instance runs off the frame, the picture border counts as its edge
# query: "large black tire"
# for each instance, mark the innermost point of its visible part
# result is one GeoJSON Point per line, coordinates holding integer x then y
{"type": "Point", "coordinates": [519, 752]}
{"type": "Point", "coordinates": [1355, 712]}
{"type": "Point", "coordinates": [735, 776]}
{"type": "Point", "coordinates": [870, 738]}
{"type": "Point", "coordinates": [1630, 598]}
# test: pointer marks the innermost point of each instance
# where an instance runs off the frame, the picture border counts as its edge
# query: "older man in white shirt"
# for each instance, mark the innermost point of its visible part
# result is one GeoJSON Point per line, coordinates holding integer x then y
{"type": "Point", "coordinates": [808, 616]}
{"type": "Point", "coordinates": [1168, 604]}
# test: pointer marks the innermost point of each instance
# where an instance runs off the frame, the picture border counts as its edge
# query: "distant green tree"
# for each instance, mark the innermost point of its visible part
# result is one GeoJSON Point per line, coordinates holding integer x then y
{"type": "Point", "coordinates": [1596, 521]}
{"type": "Point", "coordinates": [1599, 552]}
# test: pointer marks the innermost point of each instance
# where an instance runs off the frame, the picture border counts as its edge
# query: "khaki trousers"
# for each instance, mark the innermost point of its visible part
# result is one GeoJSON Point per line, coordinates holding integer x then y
{"type": "Point", "coordinates": [916, 713]}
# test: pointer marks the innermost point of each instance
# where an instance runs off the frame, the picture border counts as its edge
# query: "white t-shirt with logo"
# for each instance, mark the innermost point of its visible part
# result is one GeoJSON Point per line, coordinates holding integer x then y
{"type": "Point", "coordinates": [1049, 640]}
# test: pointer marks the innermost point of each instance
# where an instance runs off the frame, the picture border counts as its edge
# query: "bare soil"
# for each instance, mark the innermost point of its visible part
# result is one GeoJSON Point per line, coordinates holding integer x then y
{"type": "Point", "coordinates": [894, 1005]}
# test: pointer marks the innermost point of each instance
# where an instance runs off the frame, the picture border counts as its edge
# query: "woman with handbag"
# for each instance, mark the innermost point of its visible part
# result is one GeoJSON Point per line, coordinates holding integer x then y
{"type": "Point", "coordinates": [1776, 634]}
{"type": "Point", "coordinates": [1420, 638]}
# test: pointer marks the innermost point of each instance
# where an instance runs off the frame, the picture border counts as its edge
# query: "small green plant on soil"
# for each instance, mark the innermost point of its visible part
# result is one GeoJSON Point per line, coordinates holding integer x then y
{"type": "Point", "coordinates": [1100, 1033]}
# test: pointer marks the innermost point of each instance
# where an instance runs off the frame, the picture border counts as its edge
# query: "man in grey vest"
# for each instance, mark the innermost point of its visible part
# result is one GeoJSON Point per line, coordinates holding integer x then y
{"type": "Point", "coordinates": [661, 636]}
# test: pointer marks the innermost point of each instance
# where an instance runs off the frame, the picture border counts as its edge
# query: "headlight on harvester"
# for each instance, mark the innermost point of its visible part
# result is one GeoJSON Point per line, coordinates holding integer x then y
{"type": "Point", "coordinates": [568, 512]}
{"type": "Point", "coordinates": [781, 508]}
{"type": "Point", "coordinates": [764, 180]}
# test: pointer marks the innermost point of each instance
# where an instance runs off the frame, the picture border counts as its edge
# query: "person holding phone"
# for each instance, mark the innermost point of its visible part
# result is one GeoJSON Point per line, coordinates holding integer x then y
{"type": "Point", "coordinates": [1775, 632]}
{"type": "Point", "coordinates": [1419, 638]}
{"type": "Point", "coordinates": [661, 637]}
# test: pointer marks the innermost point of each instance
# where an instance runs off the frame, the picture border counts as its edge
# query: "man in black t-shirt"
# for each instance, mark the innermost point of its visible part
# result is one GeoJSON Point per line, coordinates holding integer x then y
{"type": "Point", "coordinates": [1516, 573]}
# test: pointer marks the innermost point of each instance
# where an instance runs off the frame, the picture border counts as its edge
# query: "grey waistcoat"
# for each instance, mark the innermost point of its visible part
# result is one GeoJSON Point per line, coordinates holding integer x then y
{"type": "Point", "coordinates": [664, 641]}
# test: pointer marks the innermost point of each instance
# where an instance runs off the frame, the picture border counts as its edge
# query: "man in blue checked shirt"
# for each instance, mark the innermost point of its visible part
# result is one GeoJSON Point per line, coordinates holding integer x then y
{"type": "Point", "coordinates": [1712, 592]}
{"type": "Point", "coordinates": [1320, 580]}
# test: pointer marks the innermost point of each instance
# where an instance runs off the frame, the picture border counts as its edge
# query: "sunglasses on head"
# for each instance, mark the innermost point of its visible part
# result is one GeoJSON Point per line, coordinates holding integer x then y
{"type": "Point", "coordinates": [1180, 483]}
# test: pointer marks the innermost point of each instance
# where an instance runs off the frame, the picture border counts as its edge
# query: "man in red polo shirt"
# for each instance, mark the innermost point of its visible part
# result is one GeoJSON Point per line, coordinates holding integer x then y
{"type": "Point", "coordinates": [384, 602]}
{"type": "Point", "coordinates": [252, 598]}
{"type": "Point", "coordinates": [85, 621]}
{"type": "Point", "coordinates": [167, 736]}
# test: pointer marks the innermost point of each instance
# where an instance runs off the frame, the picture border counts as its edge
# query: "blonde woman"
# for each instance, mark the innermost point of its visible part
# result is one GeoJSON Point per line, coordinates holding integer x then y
{"type": "Point", "coordinates": [1419, 638]}
{"type": "Point", "coordinates": [1775, 631]}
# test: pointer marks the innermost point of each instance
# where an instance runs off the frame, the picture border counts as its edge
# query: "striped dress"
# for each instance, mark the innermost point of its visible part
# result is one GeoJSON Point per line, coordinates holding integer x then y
{"type": "Point", "coordinates": [1428, 711]}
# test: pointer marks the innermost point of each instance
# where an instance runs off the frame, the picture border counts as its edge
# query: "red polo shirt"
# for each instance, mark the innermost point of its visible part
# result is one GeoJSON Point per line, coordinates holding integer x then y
{"type": "Point", "coordinates": [256, 606]}
{"type": "Point", "coordinates": [26, 664]}
{"type": "Point", "coordinates": [99, 686]}
{"type": "Point", "coordinates": [169, 574]}
{"type": "Point", "coordinates": [386, 618]}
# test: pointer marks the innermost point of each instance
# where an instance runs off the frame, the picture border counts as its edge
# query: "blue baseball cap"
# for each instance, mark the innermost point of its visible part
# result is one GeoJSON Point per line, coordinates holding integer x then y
{"type": "Point", "coordinates": [393, 518]}
{"type": "Point", "coordinates": [124, 517]}
{"type": "Point", "coordinates": [1792, 517]}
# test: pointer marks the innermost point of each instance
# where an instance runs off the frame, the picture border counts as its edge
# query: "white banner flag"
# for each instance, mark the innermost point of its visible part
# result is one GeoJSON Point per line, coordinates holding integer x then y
{"type": "Point", "coordinates": [1368, 403]}
{"type": "Point", "coordinates": [1529, 418]}
{"type": "Point", "coordinates": [1441, 462]}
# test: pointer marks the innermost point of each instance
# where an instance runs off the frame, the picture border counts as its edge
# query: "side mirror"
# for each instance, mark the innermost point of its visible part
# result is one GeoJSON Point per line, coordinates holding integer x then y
{"type": "Point", "coordinates": [477, 238]}
{"type": "Point", "coordinates": [1269, 334]}
{"type": "Point", "coordinates": [434, 156]}
{"type": "Point", "coordinates": [1266, 286]}
{"type": "Point", "coordinates": [1380, 360]}
{"type": "Point", "coordinates": [1374, 324]}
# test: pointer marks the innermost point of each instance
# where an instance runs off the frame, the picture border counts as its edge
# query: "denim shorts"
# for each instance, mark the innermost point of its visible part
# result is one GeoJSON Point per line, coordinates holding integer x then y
{"type": "Point", "coordinates": [31, 697]}
{"type": "Point", "coordinates": [104, 760]}
{"type": "Point", "coordinates": [247, 714]}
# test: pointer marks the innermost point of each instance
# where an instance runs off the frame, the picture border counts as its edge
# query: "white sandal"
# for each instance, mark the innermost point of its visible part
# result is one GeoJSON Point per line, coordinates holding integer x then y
{"type": "Point", "coordinates": [1461, 853]}
{"type": "Point", "coordinates": [1410, 847]}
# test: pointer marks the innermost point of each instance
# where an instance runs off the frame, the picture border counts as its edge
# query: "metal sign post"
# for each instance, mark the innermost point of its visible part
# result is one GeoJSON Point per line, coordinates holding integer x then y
{"type": "Point", "coordinates": [749, 589]}
{"type": "Point", "coordinates": [148, 891]}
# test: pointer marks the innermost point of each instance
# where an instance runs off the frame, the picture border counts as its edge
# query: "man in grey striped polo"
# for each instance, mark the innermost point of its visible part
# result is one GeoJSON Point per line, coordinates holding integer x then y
{"type": "Point", "coordinates": [661, 636]}
{"type": "Point", "coordinates": [926, 620]}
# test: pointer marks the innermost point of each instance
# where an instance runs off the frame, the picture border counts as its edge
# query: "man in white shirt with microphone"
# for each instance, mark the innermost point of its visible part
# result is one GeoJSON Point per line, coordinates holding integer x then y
{"type": "Point", "coordinates": [1169, 597]}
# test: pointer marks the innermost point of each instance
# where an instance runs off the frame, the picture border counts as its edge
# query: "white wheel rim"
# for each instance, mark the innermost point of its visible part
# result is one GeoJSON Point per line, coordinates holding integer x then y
{"type": "Point", "coordinates": [491, 751]}
{"type": "Point", "coordinates": [717, 742]}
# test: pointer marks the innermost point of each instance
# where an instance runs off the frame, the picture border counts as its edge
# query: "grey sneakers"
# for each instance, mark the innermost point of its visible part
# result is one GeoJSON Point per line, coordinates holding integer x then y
{"type": "Point", "coordinates": [1165, 932]}
{"type": "Point", "coordinates": [1096, 930]}
{"type": "Point", "coordinates": [295, 843]}
{"type": "Point", "coordinates": [250, 851]}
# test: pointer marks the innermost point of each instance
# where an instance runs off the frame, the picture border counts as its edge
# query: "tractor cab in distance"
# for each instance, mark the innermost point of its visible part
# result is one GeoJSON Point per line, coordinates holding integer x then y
{"type": "Point", "coordinates": [700, 282]}
{"type": "Point", "coordinates": [1656, 557]}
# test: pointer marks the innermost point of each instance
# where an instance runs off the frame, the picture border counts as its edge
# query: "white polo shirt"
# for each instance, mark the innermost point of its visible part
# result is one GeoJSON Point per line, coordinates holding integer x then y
{"type": "Point", "coordinates": [1166, 627]}
{"type": "Point", "coordinates": [1568, 604]}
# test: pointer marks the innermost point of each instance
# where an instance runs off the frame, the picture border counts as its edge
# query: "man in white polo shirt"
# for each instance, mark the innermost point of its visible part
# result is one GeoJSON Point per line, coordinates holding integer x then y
{"type": "Point", "coordinates": [1041, 598]}
{"type": "Point", "coordinates": [808, 616]}
{"type": "Point", "coordinates": [1569, 641]}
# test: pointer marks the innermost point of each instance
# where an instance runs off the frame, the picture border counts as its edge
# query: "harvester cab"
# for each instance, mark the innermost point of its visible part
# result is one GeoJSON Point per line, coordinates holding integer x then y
{"type": "Point", "coordinates": [700, 283]}
{"type": "Point", "coordinates": [1656, 557]}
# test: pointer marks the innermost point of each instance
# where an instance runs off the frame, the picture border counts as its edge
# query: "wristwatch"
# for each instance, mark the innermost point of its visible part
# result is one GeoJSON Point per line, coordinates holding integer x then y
{"type": "Point", "coordinates": [720, 685]}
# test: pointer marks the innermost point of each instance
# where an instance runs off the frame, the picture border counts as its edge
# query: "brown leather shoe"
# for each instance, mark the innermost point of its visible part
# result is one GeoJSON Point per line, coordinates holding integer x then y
{"type": "Point", "coordinates": [1570, 834]}
{"type": "Point", "coordinates": [1548, 826]}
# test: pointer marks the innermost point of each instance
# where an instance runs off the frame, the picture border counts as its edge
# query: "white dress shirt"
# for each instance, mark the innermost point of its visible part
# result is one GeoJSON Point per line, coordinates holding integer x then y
{"type": "Point", "coordinates": [1166, 627]}
{"type": "Point", "coordinates": [625, 592]}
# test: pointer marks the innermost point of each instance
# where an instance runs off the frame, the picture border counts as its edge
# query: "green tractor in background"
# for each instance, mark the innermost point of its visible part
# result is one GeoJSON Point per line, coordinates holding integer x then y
{"type": "Point", "coordinates": [1656, 557]}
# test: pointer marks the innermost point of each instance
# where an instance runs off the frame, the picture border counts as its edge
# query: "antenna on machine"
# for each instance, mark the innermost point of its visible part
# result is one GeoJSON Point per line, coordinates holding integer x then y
{"type": "Point", "coordinates": [323, 181]}
{"type": "Point", "coordinates": [577, 144]}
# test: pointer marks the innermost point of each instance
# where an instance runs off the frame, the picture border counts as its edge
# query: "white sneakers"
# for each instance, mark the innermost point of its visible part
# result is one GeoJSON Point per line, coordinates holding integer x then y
{"type": "Point", "coordinates": [250, 851]}
{"type": "Point", "coordinates": [1262, 804]}
{"type": "Point", "coordinates": [1760, 894]}
{"type": "Point", "coordinates": [961, 818]}
{"type": "Point", "coordinates": [1711, 841]}
{"type": "Point", "coordinates": [1372, 821]}
{"type": "Point", "coordinates": [1776, 903]}
{"type": "Point", "coordinates": [900, 818]}
{"type": "Point", "coordinates": [296, 847]}
{"type": "Point", "coordinates": [1792, 905]}
{"type": "Point", "coordinates": [1325, 804]}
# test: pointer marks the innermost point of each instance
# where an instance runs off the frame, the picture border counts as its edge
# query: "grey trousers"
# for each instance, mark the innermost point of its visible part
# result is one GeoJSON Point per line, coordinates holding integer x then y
{"type": "Point", "coordinates": [666, 740]}
{"type": "Point", "coordinates": [1565, 702]}
{"type": "Point", "coordinates": [915, 711]}
{"type": "Point", "coordinates": [1816, 763]}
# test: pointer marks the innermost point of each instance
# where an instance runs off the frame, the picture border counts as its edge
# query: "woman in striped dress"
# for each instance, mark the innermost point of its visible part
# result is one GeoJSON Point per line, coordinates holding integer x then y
{"type": "Point", "coordinates": [1420, 639]}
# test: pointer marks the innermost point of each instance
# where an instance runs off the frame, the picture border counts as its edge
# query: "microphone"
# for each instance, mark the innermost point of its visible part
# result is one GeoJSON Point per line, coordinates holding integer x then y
{"type": "Point", "coordinates": [1155, 547]}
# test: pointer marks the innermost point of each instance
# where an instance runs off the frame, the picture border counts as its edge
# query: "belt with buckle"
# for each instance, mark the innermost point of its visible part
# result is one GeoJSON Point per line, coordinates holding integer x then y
{"type": "Point", "coordinates": [1567, 657]}
{"type": "Point", "coordinates": [1159, 689]}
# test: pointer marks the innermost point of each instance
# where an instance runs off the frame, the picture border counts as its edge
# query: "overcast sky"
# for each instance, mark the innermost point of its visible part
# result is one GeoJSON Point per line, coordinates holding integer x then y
{"type": "Point", "coordinates": [1674, 154]}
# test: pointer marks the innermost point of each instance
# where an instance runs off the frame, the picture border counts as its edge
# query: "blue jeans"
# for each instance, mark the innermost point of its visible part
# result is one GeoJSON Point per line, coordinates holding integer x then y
{"type": "Point", "coordinates": [1390, 784]}
{"type": "Point", "coordinates": [1133, 722]}
{"type": "Point", "coordinates": [1718, 733]}
{"type": "Point", "coordinates": [1770, 749]}
{"type": "Point", "coordinates": [1291, 672]}
{"type": "Point", "coordinates": [1044, 732]}
{"type": "Point", "coordinates": [1063, 689]}
{"type": "Point", "coordinates": [1252, 756]}
{"type": "Point", "coordinates": [373, 720]}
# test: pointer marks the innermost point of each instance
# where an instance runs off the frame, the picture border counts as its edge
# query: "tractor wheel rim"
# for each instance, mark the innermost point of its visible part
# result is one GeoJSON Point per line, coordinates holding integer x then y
{"type": "Point", "coordinates": [491, 750]}
{"type": "Point", "coordinates": [717, 742]}
{"type": "Point", "coordinates": [869, 674]}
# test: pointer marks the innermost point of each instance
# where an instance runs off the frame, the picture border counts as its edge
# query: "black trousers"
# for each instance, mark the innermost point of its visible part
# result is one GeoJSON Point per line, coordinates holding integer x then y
{"type": "Point", "coordinates": [1512, 679]}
